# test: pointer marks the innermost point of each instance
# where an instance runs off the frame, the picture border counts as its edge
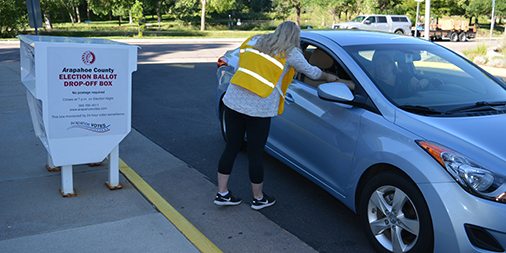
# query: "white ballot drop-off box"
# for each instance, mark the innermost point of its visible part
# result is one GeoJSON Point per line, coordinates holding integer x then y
{"type": "Point", "coordinates": [79, 92]}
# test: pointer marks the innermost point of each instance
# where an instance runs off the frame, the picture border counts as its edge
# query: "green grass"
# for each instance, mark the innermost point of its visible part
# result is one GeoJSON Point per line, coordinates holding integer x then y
{"type": "Point", "coordinates": [479, 54]}
{"type": "Point", "coordinates": [481, 49]}
{"type": "Point", "coordinates": [166, 30]}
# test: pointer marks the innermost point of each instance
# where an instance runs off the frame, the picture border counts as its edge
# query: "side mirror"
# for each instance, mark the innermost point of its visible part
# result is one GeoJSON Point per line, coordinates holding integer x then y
{"type": "Point", "coordinates": [337, 92]}
{"type": "Point", "coordinates": [367, 22]}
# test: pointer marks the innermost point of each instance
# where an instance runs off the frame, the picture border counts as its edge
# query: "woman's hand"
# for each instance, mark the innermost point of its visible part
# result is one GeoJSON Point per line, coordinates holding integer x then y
{"type": "Point", "coordinates": [329, 78]}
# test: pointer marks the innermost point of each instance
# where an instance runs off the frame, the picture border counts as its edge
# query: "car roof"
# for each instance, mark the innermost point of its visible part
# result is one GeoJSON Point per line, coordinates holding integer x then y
{"type": "Point", "coordinates": [361, 37]}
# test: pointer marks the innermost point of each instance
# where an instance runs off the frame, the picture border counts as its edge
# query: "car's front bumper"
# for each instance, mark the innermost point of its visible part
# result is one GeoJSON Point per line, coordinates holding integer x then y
{"type": "Point", "coordinates": [453, 210]}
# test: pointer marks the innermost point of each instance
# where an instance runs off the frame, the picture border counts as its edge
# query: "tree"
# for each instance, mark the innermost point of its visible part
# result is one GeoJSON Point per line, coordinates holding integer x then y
{"type": "Point", "coordinates": [10, 19]}
{"type": "Point", "coordinates": [203, 16]}
{"type": "Point", "coordinates": [298, 7]}
{"type": "Point", "coordinates": [138, 17]}
{"type": "Point", "coordinates": [338, 7]}
{"type": "Point", "coordinates": [158, 6]}
{"type": "Point", "coordinates": [257, 6]}
{"type": "Point", "coordinates": [484, 8]}
{"type": "Point", "coordinates": [121, 8]}
{"type": "Point", "coordinates": [218, 6]}
{"type": "Point", "coordinates": [71, 6]}
{"type": "Point", "coordinates": [101, 7]}
{"type": "Point", "coordinates": [49, 8]}
{"type": "Point", "coordinates": [186, 10]}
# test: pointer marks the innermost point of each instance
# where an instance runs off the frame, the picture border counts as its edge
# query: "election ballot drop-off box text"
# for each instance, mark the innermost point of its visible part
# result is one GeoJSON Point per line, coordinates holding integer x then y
{"type": "Point", "coordinates": [79, 92]}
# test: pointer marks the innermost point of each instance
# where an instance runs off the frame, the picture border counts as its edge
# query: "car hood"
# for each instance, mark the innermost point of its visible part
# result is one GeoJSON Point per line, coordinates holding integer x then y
{"type": "Point", "coordinates": [481, 138]}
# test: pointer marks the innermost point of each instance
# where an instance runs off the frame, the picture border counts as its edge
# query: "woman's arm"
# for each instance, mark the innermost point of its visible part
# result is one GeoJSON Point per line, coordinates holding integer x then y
{"type": "Point", "coordinates": [296, 60]}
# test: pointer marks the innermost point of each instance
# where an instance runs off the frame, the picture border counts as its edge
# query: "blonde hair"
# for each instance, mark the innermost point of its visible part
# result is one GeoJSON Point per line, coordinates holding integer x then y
{"type": "Point", "coordinates": [283, 40]}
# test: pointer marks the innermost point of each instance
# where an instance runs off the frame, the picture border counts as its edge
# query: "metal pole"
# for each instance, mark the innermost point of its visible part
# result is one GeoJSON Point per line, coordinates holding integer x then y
{"type": "Point", "coordinates": [493, 21]}
{"type": "Point", "coordinates": [427, 20]}
{"type": "Point", "coordinates": [416, 20]}
{"type": "Point", "coordinates": [32, 5]}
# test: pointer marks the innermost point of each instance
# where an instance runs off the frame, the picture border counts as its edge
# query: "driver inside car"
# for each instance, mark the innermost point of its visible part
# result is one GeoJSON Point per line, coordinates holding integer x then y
{"type": "Point", "coordinates": [392, 81]}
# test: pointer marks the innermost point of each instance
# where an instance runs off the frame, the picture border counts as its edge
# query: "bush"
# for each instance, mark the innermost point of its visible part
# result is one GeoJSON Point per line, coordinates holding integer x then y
{"type": "Point", "coordinates": [501, 44]}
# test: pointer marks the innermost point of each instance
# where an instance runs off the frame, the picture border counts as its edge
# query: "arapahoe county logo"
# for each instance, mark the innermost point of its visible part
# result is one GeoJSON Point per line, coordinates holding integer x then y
{"type": "Point", "coordinates": [93, 127]}
{"type": "Point", "coordinates": [88, 57]}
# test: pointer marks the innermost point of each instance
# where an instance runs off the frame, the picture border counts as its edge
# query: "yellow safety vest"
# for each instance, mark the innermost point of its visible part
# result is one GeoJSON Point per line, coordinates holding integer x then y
{"type": "Point", "coordinates": [259, 73]}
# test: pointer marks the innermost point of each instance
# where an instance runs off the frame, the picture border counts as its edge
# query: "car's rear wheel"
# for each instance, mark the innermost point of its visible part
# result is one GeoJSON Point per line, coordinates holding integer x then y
{"type": "Point", "coordinates": [462, 36]}
{"type": "Point", "coordinates": [394, 215]}
{"type": "Point", "coordinates": [454, 37]}
{"type": "Point", "coordinates": [399, 32]}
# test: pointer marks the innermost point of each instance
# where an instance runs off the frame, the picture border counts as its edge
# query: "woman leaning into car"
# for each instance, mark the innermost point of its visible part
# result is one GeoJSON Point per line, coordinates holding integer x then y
{"type": "Point", "coordinates": [256, 93]}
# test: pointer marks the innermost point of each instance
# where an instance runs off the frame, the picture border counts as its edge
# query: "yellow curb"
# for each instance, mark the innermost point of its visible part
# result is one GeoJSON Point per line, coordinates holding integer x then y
{"type": "Point", "coordinates": [192, 233]}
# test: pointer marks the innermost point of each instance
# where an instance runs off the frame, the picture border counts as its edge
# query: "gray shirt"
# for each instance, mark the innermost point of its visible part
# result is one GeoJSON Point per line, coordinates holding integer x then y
{"type": "Point", "coordinates": [246, 102]}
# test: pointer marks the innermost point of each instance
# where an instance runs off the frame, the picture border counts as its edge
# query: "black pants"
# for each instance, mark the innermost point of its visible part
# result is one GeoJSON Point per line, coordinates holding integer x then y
{"type": "Point", "coordinates": [257, 130]}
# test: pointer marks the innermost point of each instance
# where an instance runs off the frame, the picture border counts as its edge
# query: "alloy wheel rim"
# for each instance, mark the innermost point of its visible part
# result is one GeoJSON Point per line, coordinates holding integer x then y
{"type": "Point", "coordinates": [393, 219]}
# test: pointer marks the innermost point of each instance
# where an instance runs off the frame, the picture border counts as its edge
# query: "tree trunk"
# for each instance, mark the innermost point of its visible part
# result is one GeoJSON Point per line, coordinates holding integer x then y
{"type": "Point", "coordinates": [159, 13]}
{"type": "Point", "coordinates": [72, 18]}
{"type": "Point", "coordinates": [88, 11]}
{"type": "Point", "coordinates": [298, 13]}
{"type": "Point", "coordinates": [203, 18]}
{"type": "Point", "coordinates": [78, 15]}
{"type": "Point", "coordinates": [47, 21]}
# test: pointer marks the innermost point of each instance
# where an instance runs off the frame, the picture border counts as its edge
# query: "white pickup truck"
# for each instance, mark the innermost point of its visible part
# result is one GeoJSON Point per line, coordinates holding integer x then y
{"type": "Point", "coordinates": [387, 23]}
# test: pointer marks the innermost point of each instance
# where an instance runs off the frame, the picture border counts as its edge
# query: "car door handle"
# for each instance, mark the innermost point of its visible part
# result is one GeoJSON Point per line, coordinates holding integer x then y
{"type": "Point", "coordinates": [289, 98]}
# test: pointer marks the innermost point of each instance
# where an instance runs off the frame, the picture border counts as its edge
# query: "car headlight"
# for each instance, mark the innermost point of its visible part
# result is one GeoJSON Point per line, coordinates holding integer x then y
{"type": "Point", "coordinates": [474, 178]}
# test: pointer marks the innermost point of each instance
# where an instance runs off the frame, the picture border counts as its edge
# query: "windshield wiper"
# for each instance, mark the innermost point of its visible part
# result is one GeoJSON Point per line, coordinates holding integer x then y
{"type": "Point", "coordinates": [478, 106]}
{"type": "Point", "coordinates": [418, 109]}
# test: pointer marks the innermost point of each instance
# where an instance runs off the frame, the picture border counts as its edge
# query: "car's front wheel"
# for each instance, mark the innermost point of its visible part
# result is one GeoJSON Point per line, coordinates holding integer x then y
{"type": "Point", "coordinates": [394, 215]}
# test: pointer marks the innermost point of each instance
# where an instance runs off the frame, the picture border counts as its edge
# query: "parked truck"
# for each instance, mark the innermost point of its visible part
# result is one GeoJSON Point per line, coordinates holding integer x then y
{"type": "Point", "coordinates": [454, 30]}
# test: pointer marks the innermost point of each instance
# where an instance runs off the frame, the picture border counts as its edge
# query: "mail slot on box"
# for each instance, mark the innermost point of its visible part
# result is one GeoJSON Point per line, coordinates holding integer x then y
{"type": "Point", "coordinates": [79, 92]}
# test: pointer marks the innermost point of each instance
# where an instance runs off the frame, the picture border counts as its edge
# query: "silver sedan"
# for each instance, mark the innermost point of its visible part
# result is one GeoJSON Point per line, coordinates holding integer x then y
{"type": "Point", "coordinates": [416, 149]}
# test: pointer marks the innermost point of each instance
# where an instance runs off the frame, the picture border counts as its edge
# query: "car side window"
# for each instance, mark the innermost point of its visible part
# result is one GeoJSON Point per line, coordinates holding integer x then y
{"type": "Point", "coordinates": [382, 19]}
{"type": "Point", "coordinates": [371, 19]}
{"type": "Point", "coordinates": [320, 58]}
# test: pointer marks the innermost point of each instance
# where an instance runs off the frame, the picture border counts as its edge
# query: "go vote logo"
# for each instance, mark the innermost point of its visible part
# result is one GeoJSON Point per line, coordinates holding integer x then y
{"type": "Point", "coordinates": [88, 57]}
{"type": "Point", "coordinates": [93, 127]}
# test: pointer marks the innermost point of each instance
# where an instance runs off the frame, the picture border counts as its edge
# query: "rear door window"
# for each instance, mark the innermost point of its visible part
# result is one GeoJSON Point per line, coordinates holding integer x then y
{"type": "Point", "coordinates": [382, 19]}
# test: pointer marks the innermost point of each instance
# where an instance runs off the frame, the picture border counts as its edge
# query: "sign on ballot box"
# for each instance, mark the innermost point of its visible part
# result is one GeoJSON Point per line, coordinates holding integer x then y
{"type": "Point", "coordinates": [79, 91]}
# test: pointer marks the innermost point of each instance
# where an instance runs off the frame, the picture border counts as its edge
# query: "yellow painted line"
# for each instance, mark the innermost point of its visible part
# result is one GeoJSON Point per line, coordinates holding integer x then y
{"type": "Point", "coordinates": [192, 233]}
{"type": "Point", "coordinates": [188, 66]}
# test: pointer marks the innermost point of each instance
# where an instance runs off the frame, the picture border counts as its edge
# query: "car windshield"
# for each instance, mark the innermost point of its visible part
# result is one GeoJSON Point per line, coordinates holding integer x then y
{"type": "Point", "coordinates": [358, 19]}
{"type": "Point", "coordinates": [427, 77]}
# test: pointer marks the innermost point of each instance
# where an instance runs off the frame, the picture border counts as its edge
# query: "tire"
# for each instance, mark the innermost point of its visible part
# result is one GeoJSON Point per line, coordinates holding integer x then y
{"type": "Point", "coordinates": [379, 216]}
{"type": "Point", "coordinates": [462, 36]}
{"type": "Point", "coordinates": [454, 37]}
{"type": "Point", "coordinates": [399, 32]}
